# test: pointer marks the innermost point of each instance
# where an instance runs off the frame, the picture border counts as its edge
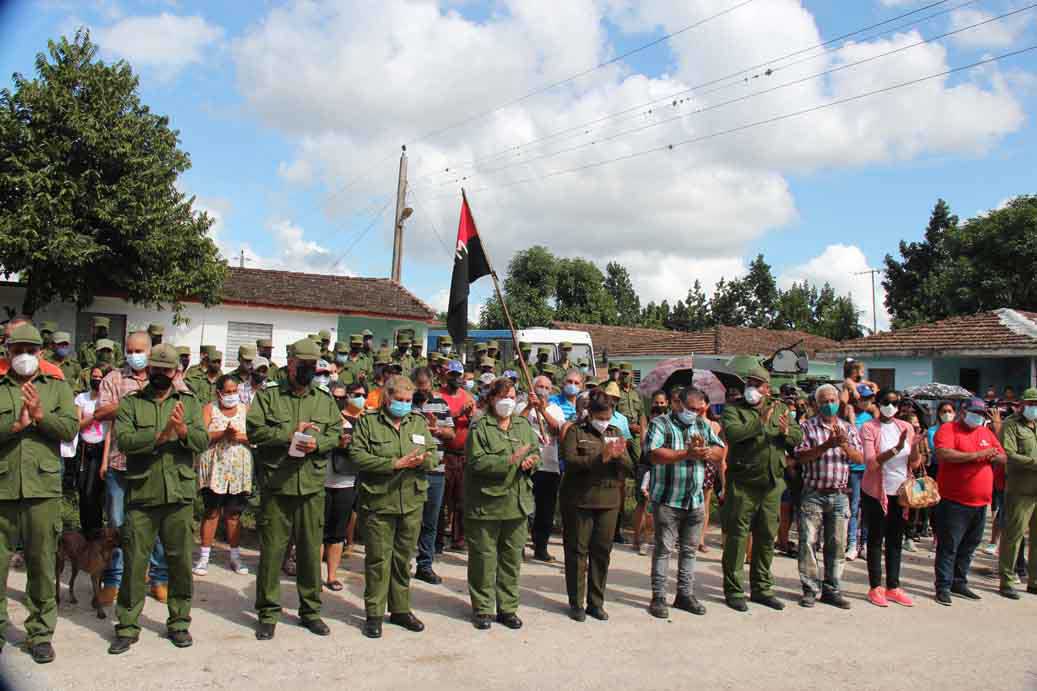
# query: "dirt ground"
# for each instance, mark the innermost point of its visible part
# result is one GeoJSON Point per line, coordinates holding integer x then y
{"type": "Point", "coordinates": [989, 644]}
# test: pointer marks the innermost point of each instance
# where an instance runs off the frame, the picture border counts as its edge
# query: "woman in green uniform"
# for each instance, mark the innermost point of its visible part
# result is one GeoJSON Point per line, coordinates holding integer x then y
{"type": "Point", "coordinates": [596, 465]}
{"type": "Point", "coordinates": [498, 498]}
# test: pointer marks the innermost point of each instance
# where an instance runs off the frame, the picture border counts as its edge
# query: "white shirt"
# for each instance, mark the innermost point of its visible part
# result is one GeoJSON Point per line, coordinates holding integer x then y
{"type": "Point", "coordinates": [894, 471]}
{"type": "Point", "coordinates": [549, 450]}
{"type": "Point", "coordinates": [94, 434]}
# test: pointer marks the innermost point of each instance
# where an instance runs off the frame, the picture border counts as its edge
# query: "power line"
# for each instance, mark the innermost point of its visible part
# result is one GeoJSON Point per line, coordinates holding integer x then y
{"type": "Point", "coordinates": [751, 125]}
{"type": "Point", "coordinates": [739, 99]}
{"type": "Point", "coordinates": [360, 237]}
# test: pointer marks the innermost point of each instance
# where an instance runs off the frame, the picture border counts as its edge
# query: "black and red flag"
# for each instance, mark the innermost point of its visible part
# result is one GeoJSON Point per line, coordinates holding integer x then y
{"type": "Point", "coordinates": [470, 264]}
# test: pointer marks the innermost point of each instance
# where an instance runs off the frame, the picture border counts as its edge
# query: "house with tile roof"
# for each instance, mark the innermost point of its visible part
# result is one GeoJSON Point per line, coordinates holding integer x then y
{"type": "Point", "coordinates": [256, 303]}
{"type": "Point", "coordinates": [996, 348]}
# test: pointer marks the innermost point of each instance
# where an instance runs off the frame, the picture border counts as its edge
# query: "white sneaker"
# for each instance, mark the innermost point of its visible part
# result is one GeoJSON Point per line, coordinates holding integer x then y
{"type": "Point", "coordinates": [201, 568]}
{"type": "Point", "coordinates": [851, 552]}
{"type": "Point", "coordinates": [990, 549]}
{"type": "Point", "coordinates": [909, 545]}
{"type": "Point", "coordinates": [643, 549]}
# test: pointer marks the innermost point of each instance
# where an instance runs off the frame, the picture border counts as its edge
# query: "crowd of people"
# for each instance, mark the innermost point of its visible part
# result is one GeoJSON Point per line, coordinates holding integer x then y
{"type": "Point", "coordinates": [414, 455]}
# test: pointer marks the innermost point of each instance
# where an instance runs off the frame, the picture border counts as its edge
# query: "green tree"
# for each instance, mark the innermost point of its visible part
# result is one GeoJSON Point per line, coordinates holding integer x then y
{"type": "Point", "coordinates": [679, 318]}
{"type": "Point", "coordinates": [796, 308]}
{"type": "Point", "coordinates": [88, 201]}
{"type": "Point", "coordinates": [620, 287]}
{"type": "Point", "coordinates": [760, 295]}
{"type": "Point", "coordinates": [699, 316]}
{"type": "Point", "coordinates": [581, 295]}
{"type": "Point", "coordinates": [728, 304]}
{"type": "Point", "coordinates": [913, 285]}
{"type": "Point", "coordinates": [529, 289]}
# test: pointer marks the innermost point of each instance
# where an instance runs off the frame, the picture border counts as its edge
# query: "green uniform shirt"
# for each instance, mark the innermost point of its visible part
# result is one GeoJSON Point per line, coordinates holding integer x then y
{"type": "Point", "coordinates": [588, 483]}
{"type": "Point", "coordinates": [495, 488]}
{"type": "Point", "coordinates": [274, 416]}
{"type": "Point", "coordinates": [1019, 439]}
{"type": "Point", "coordinates": [349, 371]}
{"type": "Point", "coordinates": [30, 461]}
{"type": "Point", "coordinates": [406, 362]}
{"type": "Point", "coordinates": [756, 451]}
{"type": "Point", "coordinates": [193, 371]}
{"type": "Point", "coordinates": [203, 389]}
{"type": "Point", "coordinates": [376, 445]}
{"type": "Point", "coordinates": [69, 367]}
{"type": "Point", "coordinates": [88, 355]}
{"type": "Point", "coordinates": [631, 406]}
{"type": "Point", "coordinates": [163, 474]}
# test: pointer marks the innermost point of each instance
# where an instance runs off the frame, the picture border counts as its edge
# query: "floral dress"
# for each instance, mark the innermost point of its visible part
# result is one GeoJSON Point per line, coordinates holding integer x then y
{"type": "Point", "coordinates": [226, 466]}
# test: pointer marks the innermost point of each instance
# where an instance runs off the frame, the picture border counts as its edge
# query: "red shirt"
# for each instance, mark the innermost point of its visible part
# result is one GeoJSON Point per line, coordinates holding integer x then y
{"type": "Point", "coordinates": [456, 403]}
{"type": "Point", "coordinates": [971, 484]}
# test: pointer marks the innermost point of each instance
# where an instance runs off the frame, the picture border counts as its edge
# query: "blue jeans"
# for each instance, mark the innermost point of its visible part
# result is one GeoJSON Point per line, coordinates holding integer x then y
{"type": "Point", "coordinates": [959, 531]}
{"type": "Point", "coordinates": [855, 511]}
{"type": "Point", "coordinates": [115, 482]}
{"type": "Point", "coordinates": [822, 514]}
{"type": "Point", "coordinates": [676, 530]}
{"type": "Point", "coordinates": [430, 519]}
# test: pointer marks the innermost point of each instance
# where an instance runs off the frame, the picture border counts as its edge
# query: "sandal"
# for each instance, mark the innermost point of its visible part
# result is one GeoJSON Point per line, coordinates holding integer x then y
{"type": "Point", "coordinates": [335, 585]}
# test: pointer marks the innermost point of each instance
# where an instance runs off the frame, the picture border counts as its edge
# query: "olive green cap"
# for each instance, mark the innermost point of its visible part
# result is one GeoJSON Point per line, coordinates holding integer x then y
{"type": "Point", "coordinates": [49, 327]}
{"type": "Point", "coordinates": [312, 337]}
{"type": "Point", "coordinates": [525, 347]}
{"type": "Point", "coordinates": [341, 347]}
{"type": "Point", "coordinates": [403, 341]}
{"type": "Point", "coordinates": [25, 333]}
{"type": "Point", "coordinates": [62, 337]}
{"type": "Point", "coordinates": [102, 321]}
{"type": "Point", "coordinates": [306, 349]}
{"type": "Point", "coordinates": [493, 344]}
{"type": "Point", "coordinates": [435, 356]}
{"type": "Point", "coordinates": [382, 358]}
{"type": "Point", "coordinates": [613, 367]}
{"type": "Point", "coordinates": [207, 349]}
{"type": "Point", "coordinates": [544, 350]}
{"type": "Point", "coordinates": [156, 329]}
{"type": "Point", "coordinates": [1029, 395]}
{"type": "Point", "coordinates": [626, 367]}
{"type": "Point", "coordinates": [487, 362]}
{"type": "Point", "coordinates": [324, 334]}
{"type": "Point", "coordinates": [446, 341]}
{"type": "Point", "coordinates": [417, 344]}
{"type": "Point", "coordinates": [565, 345]}
{"type": "Point", "coordinates": [215, 356]}
{"type": "Point", "coordinates": [182, 350]}
{"type": "Point", "coordinates": [104, 344]}
{"type": "Point", "coordinates": [758, 372]}
{"type": "Point", "coordinates": [356, 339]}
{"type": "Point", "coordinates": [247, 352]}
{"type": "Point", "coordinates": [265, 343]}
{"type": "Point", "coordinates": [163, 355]}
{"type": "Point", "coordinates": [481, 347]}
{"type": "Point", "coordinates": [592, 381]}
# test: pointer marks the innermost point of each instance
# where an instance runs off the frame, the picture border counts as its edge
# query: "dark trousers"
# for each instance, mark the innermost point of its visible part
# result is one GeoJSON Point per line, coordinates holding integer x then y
{"type": "Point", "coordinates": [587, 534]}
{"type": "Point", "coordinates": [430, 519]}
{"type": "Point", "coordinates": [883, 527]}
{"type": "Point", "coordinates": [545, 498]}
{"type": "Point", "coordinates": [91, 489]}
{"type": "Point", "coordinates": [959, 531]}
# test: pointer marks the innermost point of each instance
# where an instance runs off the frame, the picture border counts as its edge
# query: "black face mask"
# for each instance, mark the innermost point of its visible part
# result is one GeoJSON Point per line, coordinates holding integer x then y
{"type": "Point", "coordinates": [104, 357]}
{"type": "Point", "coordinates": [258, 379]}
{"type": "Point", "coordinates": [160, 381]}
{"type": "Point", "coordinates": [304, 374]}
{"type": "Point", "coordinates": [156, 340]}
{"type": "Point", "coordinates": [659, 409]}
{"type": "Point", "coordinates": [95, 384]}
{"type": "Point", "coordinates": [453, 383]}
{"type": "Point", "coordinates": [341, 402]}
{"type": "Point", "coordinates": [185, 363]}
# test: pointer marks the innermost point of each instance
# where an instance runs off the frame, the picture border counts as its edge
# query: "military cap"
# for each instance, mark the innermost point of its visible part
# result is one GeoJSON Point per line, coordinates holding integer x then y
{"type": "Point", "coordinates": [1029, 394]}
{"type": "Point", "coordinates": [163, 355]}
{"type": "Point", "coordinates": [102, 321]}
{"type": "Point", "coordinates": [341, 347]}
{"type": "Point", "coordinates": [396, 366]}
{"type": "Point", "coordinates": [613, 367]}
{"type": "Point", "coordinates": [207, 349]}
{"type": "Point", "coordinates": [758, 372]}
{"type": "Point", "coordinates": [481, 347]}
{"type": "Point", "coordinates": [324, 335]}
{"type": "Point", "coordinates": [382, 358]}
{"type": "Point", "coordinates": [446, 341]}
{"type": "Point", "coordinates": [306, 349]}
{"type": "Point", "coordinates": [265, 343]}
{"type": "Point", "coordinates": [313, 337]}
{"type": "Point", "coordinates": [417, 344]}
{"type": "Point", "coordinates": [565, 345]}
{"type": "Point", "coordinates": [62, 337]}
{"type": "Point", "coordinates": [260, 362]}
{"type": "Point", "coordinates": [612, 389]}
{"type": "Point", "coordinates": [367, 333]}
{"type": "Point", "coordinates": [247, 352]}
{"type": "Point", "coordinates": [104, 344]}
{"type": "Point", "coordinates": [25, 333]}
{"type": "Point", "coordinates": [525, 347]}
{"type": "Point", "coordinates": [626, 367]}
{"type": "Point", "coordinates": [356, 339]}
{"type": "Point", "coordinates": [544, 350]}
{"type": "Point", "coordinates": [435, 356]}
{"type": "Point", "coordinates": [487, 362]}
{"type": "Point", "coordinates": [591, 381]}
{"type": "Point", "coordinates": [48, 327]}
{"type": "Point", "coordinates": [182, 350]}
{"type": "Point", "coordinates": [493, 344]}
{"type": "Point", "coordinates": [156, 329]}
{"type": "Point", "coordinates": [215, 356]}
{"type": "Point", "coordinates": [403, 343]}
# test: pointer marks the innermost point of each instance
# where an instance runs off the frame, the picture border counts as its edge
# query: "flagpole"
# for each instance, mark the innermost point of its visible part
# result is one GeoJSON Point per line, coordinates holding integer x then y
{"type": "Point", "coordinates": [507, 316]}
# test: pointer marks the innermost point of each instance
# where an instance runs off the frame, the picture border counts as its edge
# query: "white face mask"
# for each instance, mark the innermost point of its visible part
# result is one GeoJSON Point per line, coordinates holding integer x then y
{"type": "Point", "coordinates": [600, 425]}
{"type": "Point", "coordinates": [947, 417]}
{"type": "Point", "coordinates": [752, 395]}
{"type": "Point", "coordinates": [888, 410]}
{"type": "Point", "coordinates": [230, 400]}
{"type": "Point", "coordinates": [25, 364]}
{"type": "Point", "coordinates": [504, 407]}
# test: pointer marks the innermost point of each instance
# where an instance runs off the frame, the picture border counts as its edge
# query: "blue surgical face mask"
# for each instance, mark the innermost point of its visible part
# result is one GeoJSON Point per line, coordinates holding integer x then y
{"type": "Point", "coordinates": [974, 420]}
{"type": "Point", "coordinates": [830, 409]}
{"type": "Point", "coordinates": [469, 384]}
{"type": "Point", "coordinates": [341, 358]}
{"type": "Point", "coordinates": [62, 351]}
{"type": "Point", "coordinates": [687, 416]}
{"type": "Point", "coordinates": [399, 409]}
{"type": "Point", "coordinates": [322, 379]}
{"type": "Point", "coordinates": [357, 402]}
{"type": "Point", "coordinates": [137, 361]}
{"type": "Point", "coordinates": [571, 389]}
{"type": "Point", "coordinates": [1030, 412]}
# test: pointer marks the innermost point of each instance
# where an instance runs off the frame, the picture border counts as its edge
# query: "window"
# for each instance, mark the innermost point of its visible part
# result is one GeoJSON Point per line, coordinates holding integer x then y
{"type": "Point", "coordinates": [243, 333]}
{"type": "Point", "coordinates": [886, 378]}
{"type": "Point", "coordinates": [637, 377]}
{"type": "Point", "coordinates": [85, 328]}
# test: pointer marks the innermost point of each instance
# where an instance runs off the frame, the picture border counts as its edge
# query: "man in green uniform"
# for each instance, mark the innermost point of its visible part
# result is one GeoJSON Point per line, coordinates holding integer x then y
{"type": "Point", "coordinates": [632, 407]}
{"type": "Point", "coordinates": [402, 355]}
{"type": "Point", "coordinates": [61, 355]}
{"type": "Point", "coordinates": [203, 383]}
{"type": "Point", "coordinates": [524, 349]}
{"type": "Point", "coordinates": [161, 431]}
{"type": "Point", "coordinates": [203, 362]}
{"type": "Point", "coordinates": [36, 416]}
{"type": "Point", "coordinates": [760, 432]}
{"type": "Point", "coordinates": [47, 330]}
{"type": "Point", "coordinates": [265, 349]}
{"type": "Point", "coordinates": [493, 352]}
{"type": "Point", "coordinates": [1019, 438]}
{"type": "Point", "coordinates": [566, 362]}
{"type": "Point", "coordinates": [446, 346]}
{"type": "Point", "coordinates": [545, 368]}
{"type": "Point", "coordinates": [156, 331]}
{"type": "Point", "coordinates": [357, 367]}
{"type": "Point", "coordinates": [416, 350]}
{"type": "Point", "coordinates": [104, 356]}
{"type": "Point", "coordinates": [392, 449]}
{"type": "Point", "coordinates": [88, 350]}
{"type": "Point", "coordinates": [183, 355]}
{"type": "Point", "coordinates": [480, 352]}
{"type": "Point", "coordinates": [324, 338]}
{"type": "Point", "coordinates": [294, 426]}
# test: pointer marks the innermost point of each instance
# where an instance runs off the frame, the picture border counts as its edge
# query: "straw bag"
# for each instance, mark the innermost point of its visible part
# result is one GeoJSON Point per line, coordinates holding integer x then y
{"type": "Point", "coordinates": [918, 492]}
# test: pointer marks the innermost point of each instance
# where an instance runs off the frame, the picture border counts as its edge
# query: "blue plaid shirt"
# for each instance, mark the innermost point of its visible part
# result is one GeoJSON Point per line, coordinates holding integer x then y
{"type": "Point", "coordinates": [678, 485]}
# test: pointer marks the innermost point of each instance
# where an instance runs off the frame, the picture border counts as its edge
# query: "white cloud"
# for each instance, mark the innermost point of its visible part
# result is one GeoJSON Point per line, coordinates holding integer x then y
{"type": "Point", "coordinates": [841, 266]}
{"type": "Point", "coordinates": [440, 301]}
{"type": "Point", "coordinates": [218, 208]}
{"type": "Point", "coordinates": [165, 42]}
{"type": "Point", "coordinates": [299, 171]}
{"type": "Point", "coordinates": [295, 252]}
{"type": "Point", "coordinates": [999, 34]}
{"type": "Point", "coordinates": [350, 81]}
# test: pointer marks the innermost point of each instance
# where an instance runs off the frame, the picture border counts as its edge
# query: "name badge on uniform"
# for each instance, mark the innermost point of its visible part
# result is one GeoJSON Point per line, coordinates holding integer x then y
{"type": "Point", "coordinates": [418, 439]}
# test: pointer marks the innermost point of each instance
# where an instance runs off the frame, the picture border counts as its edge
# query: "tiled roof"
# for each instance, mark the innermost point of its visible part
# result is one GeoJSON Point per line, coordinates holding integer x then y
{"type": "Point", "coordinates": [320, 292]}
{"type": "Point", "coordinates": [622, 341]}
{"type": "Point", "coordinates": [1002, 329]}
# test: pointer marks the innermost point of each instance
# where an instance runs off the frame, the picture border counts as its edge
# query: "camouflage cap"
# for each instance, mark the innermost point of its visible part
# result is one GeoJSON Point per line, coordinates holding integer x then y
{"type": "Point", "coordinates": [1029, 394]}
{"type": "Point", "coordinates": [62, 337]}
{"type": "Point", "coordinates": [48, 327]}
{"type": "Point", "coordinates": [247, 352]}
{"type": "Point", "coordinates": [156, 329]}
{"type": "Point", "coordinates": [102, 321]}
{"type": "Point", "coordinates": [25, 333]}
{"type": "Point", "coordinates": [306, 349]}
{"type": "Point", "coordinates": [341, 347]}
{"type": "Point", "coordinates": [104, 344]}
{"type": "Point", "coordinates": [324, 335]}
{"type": "Point", "coordinates": [163, 355]}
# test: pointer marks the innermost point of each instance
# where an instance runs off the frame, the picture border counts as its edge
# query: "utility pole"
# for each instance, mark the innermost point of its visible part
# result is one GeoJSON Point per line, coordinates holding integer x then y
{"type": "Point", "coordinates": [874, 308]}
{"type": "Point", "coordinates": [241, 260]}
{"type": "Point", "coordinates": [402, 213]}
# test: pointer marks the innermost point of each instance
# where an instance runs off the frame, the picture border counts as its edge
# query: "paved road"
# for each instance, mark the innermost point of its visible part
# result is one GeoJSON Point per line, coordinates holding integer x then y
{"type": "Point", "coordinates": [990, 644]}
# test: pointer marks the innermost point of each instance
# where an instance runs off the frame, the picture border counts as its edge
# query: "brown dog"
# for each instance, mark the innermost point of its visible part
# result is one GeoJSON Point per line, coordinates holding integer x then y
{"type": "Point", "coordinates": [91, 556]}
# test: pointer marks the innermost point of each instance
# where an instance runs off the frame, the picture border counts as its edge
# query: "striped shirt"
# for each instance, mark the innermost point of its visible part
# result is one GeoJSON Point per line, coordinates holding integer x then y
{"type": "Point", "coordinates": [678, 485]}
{"type": "Point", "coordinates": [832, 470]}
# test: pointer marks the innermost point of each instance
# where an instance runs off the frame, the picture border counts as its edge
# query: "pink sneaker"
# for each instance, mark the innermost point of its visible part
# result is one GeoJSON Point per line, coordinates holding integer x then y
{"type": "Point", "coordinates": [877, 597]}
{"type": "Point", "coordinates": [898, 596]}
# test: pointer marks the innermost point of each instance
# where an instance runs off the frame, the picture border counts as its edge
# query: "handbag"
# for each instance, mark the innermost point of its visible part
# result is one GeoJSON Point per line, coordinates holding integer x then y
{"type": "Point", "coordinates": [918, 492]}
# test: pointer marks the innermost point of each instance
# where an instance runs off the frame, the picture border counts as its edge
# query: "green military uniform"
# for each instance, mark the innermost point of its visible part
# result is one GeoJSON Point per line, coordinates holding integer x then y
{"type": "Point", "coordinates": [402, 356]}
{"type": "Point", "coordinates": [87, 353]}
{"type": "Point", "coordinates": [30, 488]}
{"type": "Point", "coordinates": [292, 504]}
{"type": "Point", "coordinates": [69, 366]}
{"type": "Point", "coordinates": [200, 383]}
{"type": "Point", "coordinates": [265, 348]}
{"type": "Point", "coordinates": [754, 483]}
{"type": "Point", "coordinates": [498, 500]}
{"type": "Point", "coordinates": [546, 369]}
{"type": "Point", "coordinates": [566, 364]}
{"type": "Point", "coordinates": [419, 359]}
{"type": "Point", "coordinates": [246, 354]}
{"type": "Point", "coordinates": [324, 340]}
{"type": "Point", "coordinates": [498, 365]}
{"type": "Point", "coordinates": [1019, 439]}
{"type": "Point", "coordinates": [516, 363]}
{"type": "Point", "coordinates": [591, 495]}
{"type": "Point", "coordinates": [104, 355]}
{"type": "Point", "coordinates": [47, 330]}
{"type": "Point", "coordinates": [632, 406]}
{"type": "Point", "coordinates": [357, 366]}
{"type": "Point", "coordinates": [445, 343]}
{"type": "Point", "coordinates": [160, 492]}
{"type": "Point", "coordinates": [390, 502]}
{"type": "Point", "coordinates": [199, 368]}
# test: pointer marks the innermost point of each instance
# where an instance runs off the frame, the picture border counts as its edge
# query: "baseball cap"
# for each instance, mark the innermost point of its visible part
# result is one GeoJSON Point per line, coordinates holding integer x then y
{"type": "Point", "coordinates": [260, 362]}
{"type": "Point", "coordinates": [455, 366]}
{"type": "Point", "coordinates": [864, 391]}
{"type": "Point", "coordinates": [511, 374]}
{"type": "Point", "coordinates": [976, 405]}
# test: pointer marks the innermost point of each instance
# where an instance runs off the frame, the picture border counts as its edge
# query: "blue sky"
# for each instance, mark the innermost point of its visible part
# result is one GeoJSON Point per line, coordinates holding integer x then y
{"type": "Point", "coordinates": [281, 105]}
